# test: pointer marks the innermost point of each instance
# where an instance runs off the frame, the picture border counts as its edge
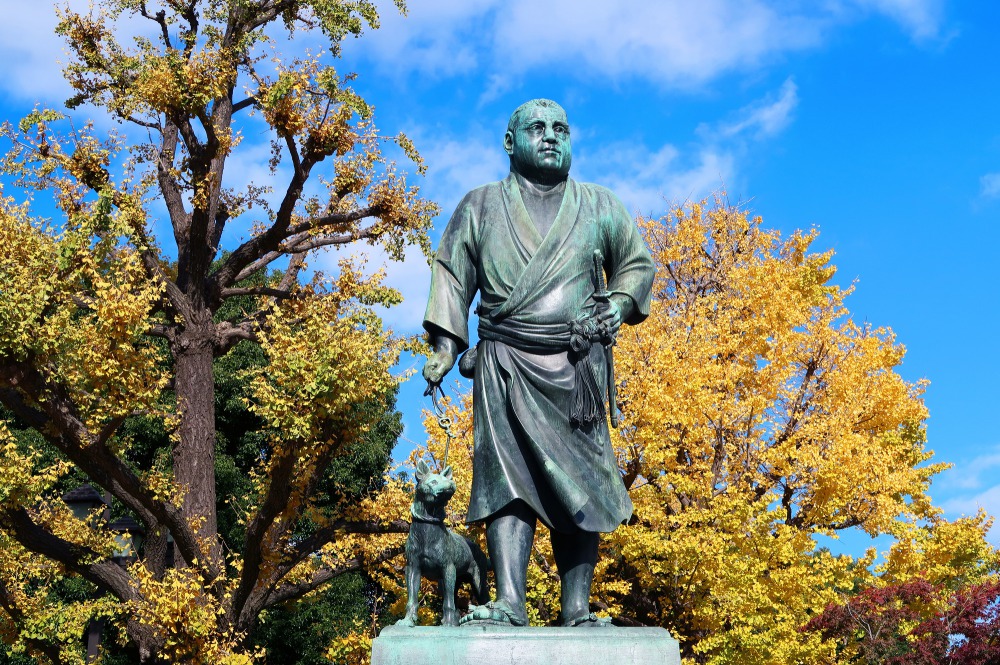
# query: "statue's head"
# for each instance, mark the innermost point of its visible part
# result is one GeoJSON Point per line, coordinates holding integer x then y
{"type": "Point", "coordinates": [537, 141]}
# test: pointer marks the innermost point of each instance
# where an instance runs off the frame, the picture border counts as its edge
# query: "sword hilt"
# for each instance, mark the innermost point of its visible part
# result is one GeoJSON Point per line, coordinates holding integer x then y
{"type": "Point", "coordinates": [601, 295]}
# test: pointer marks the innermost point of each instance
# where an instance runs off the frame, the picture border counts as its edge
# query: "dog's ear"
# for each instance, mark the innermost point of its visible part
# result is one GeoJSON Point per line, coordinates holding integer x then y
{"type": "Point", "coordinates": [422, 470]}
{"type": "Point", "coordinates": [447, 472]}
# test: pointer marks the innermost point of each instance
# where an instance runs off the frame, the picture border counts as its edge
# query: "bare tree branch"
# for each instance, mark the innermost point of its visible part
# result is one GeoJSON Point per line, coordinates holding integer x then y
{"type": "Point", "coordinates": [161, 19]}
{"type": "Point", "coordinates": [327, 534]}
{"type": "Point", "coordinates": [244, 103]}
{"type": "Point", "coordinates": [291, 276]}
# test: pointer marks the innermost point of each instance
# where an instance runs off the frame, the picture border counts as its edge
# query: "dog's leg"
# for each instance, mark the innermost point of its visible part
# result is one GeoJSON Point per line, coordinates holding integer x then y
{"type": "Point", "coordinates": [412, 595]}
{"type": "Point", "coordinates": [449, 615]}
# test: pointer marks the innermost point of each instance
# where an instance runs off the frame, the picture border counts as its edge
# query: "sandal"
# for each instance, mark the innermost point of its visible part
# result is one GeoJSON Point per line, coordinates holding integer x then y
{"type": "Point", "coordinates": [495, 612]}
{"type": "Point", "coordinates": [590, 620]}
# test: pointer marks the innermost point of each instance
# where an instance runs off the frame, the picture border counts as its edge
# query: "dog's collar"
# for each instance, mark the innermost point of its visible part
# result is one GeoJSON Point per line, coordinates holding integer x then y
{"type": "Point", "coordinates": [418, 514]}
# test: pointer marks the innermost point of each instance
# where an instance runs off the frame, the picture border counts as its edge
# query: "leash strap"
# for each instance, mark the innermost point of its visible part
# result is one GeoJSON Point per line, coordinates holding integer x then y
{"type": "Point", "coordinates": [436, 393]}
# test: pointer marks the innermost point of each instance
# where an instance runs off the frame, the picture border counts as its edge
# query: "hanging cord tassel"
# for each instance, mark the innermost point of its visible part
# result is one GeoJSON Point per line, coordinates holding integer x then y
{"type": "Point", "coordinates": [436, 393]}
{"type": "Point", "coordinates": [587, 402]}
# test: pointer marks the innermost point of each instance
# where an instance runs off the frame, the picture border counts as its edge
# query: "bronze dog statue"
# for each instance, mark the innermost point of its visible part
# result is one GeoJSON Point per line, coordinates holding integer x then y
{"type": "Point", "coordinates": [435, 552]}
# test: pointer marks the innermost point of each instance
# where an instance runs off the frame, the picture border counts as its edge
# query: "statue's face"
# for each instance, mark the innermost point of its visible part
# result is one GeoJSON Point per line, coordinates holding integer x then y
{"type": "Point", "coordinates": [539, 147]}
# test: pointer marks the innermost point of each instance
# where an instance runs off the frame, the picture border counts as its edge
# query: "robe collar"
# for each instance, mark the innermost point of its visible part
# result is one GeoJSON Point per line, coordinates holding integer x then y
{"type": "Point", "coordinates": [538, 250]}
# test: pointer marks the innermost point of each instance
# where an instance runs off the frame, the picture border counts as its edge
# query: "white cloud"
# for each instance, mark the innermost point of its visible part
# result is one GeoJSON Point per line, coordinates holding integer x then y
{"type": "Point", "coordinates": [989, 186]}
{"type": "Point", "coordinates": [678, 43]}
{"type": "Point", "coordinates": [648, 180]}
{"type": "Point", "coordinates": [922, 19]}
{"type": "Point", "coordinates": [456, 165]}
{"type": "Point", "coordinates": [31, 52]}
{"type": "Point", "coordinates": [765, 117]}
{"type": "Point", "coordinates": [671, 42]}
{"type": "Point", "coordinates": [411, 277]}
{"type": "Point", "coordinates": [988, 500]}
{"type": "Point", "coordinates": [437, 37]}
{"type": "Point", "coordinates": [33, 55]}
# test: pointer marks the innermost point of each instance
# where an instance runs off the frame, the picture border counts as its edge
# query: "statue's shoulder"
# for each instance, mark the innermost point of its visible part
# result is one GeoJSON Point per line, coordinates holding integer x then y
{"type": "Point", "coordinates": [598, 194]}
{"type": "Point", "coordinates": [480, 195]}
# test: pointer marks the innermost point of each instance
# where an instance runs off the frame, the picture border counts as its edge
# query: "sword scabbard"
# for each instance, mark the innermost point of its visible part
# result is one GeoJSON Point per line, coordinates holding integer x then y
{"type": "Point", "coordinates": [603, 299]}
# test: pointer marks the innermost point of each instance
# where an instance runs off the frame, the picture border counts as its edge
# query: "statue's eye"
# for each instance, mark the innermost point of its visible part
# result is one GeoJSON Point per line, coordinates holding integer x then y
{"type": "Point", "coordinates": [562, 130]}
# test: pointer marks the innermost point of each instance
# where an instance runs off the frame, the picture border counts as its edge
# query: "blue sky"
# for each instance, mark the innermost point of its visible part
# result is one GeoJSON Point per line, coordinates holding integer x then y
{"type": "Point", "coordinates": [877, 121]}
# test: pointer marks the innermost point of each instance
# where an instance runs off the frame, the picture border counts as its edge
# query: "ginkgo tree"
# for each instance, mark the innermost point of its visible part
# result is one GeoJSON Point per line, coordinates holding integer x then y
{"type": "Point", "coordinates": [759, 418]}
{"type": "Point", "coordinates": [116, 305]}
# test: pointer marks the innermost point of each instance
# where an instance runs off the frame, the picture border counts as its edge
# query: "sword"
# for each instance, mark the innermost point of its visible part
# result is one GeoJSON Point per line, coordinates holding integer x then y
{"type": "Point", "coordinates": [603, 297]}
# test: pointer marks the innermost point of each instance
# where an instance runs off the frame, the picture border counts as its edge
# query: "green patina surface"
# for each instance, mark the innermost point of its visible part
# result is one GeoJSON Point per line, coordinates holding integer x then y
{"type": "Point", "coordinates": [502, 645]}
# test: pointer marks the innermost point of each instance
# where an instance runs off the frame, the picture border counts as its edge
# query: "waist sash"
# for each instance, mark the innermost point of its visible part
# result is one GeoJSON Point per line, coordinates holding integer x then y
{"type": "Point", "coordinates": [576, 337]}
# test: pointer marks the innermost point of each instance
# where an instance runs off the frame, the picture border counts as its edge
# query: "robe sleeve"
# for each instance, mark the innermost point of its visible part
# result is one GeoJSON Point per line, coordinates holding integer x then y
{"type": "Point", "coordinates": [453, 277]}
{"type": "Point", "coordinates": [629, 263]}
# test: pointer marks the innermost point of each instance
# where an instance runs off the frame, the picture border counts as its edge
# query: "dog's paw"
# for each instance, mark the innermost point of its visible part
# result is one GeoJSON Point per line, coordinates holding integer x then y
{"type": "Point", "coordinates": [406, 622]}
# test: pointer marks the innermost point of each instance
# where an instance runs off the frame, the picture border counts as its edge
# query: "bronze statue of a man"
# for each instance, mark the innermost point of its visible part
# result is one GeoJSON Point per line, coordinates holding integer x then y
{"type": "Point", "coordinates": [527, 245]}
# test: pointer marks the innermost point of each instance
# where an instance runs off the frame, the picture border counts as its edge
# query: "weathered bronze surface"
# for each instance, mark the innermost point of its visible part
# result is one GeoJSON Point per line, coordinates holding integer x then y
{"type": "Point", "coordinates": [527, 246]}
{"type": "Point", "coordinates": [435, 552]}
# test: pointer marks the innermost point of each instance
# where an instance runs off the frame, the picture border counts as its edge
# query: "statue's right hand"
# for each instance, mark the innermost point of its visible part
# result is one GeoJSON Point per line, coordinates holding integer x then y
{"type": "Point", "coordinates": [439, 364]}
{"type": "Point", "coordinates": [441, 361]}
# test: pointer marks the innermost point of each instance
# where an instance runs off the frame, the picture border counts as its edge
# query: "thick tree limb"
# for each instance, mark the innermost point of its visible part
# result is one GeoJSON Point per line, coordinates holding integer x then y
{"type": "Point", "coordinates": [266, 12]}
{"type": "Point", "coordinates": [312, 544]}
{"type": "Point", "coordinates": [291, 276]}
{"type": "Point", "coordinates": [324, 575]}
{"type": "Point", "coordinates": [275, 501]}
{"type": "Point", "coordinates": [257, 291]}
{"type": "Point", "coordinates": [244, 103]}
{"type": "Point", "coordinates": [104, 573]}
{"type": "Point", "coordinates": [57, 422]}
{"type": "Point", "coordinates": [299, 241]}
{"type": "Point", "coordinates": [261, 245]}
{"type": "Point", "coordinates": [316, 242]}
{"type": "Point", "coordinates": [229, 335]}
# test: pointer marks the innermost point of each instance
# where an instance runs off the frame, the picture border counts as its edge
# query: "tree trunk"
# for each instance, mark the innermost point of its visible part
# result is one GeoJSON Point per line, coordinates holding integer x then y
{"type": "Point", "coordinates": [194, 454]}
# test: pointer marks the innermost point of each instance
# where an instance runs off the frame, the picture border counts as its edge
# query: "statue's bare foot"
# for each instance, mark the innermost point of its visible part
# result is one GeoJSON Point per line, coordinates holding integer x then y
{"type": "Point", "coordinates": [495, 612]}
{"type": "Point", "coordinates": [588, 621]}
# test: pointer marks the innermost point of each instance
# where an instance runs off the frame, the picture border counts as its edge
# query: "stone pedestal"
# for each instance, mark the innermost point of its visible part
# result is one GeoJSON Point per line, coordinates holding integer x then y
{"type": "Point", "coordinates": [506, 645]}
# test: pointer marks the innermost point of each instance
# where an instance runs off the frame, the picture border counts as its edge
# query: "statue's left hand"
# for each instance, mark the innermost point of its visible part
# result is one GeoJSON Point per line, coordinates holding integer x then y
{"type": "Point", "coordinates": [610, 317]}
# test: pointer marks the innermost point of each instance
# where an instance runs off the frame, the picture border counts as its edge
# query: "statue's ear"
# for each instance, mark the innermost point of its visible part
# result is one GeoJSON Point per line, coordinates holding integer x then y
{"type": "Point", "coordinates": [447, 472]}
{"type": "Point", "coordinates": [422, 470]}
{"type": "Point", "coordinates": [508, 142]}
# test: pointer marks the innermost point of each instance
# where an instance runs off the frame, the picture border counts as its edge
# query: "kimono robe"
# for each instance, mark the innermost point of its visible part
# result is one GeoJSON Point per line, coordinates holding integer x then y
{"type": "Point", "coordinates": [531, 288]}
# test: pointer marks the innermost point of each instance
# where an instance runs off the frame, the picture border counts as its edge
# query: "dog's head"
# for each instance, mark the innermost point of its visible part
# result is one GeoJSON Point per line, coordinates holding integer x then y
{"type": "Point", "coordinates": [434, 489]}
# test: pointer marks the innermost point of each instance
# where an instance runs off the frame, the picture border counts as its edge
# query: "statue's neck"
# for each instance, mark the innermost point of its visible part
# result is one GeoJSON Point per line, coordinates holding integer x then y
{"type": "Point", "coordinates": [539, 188]}
{"type": "Point", "coordinates": [542, 202]}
